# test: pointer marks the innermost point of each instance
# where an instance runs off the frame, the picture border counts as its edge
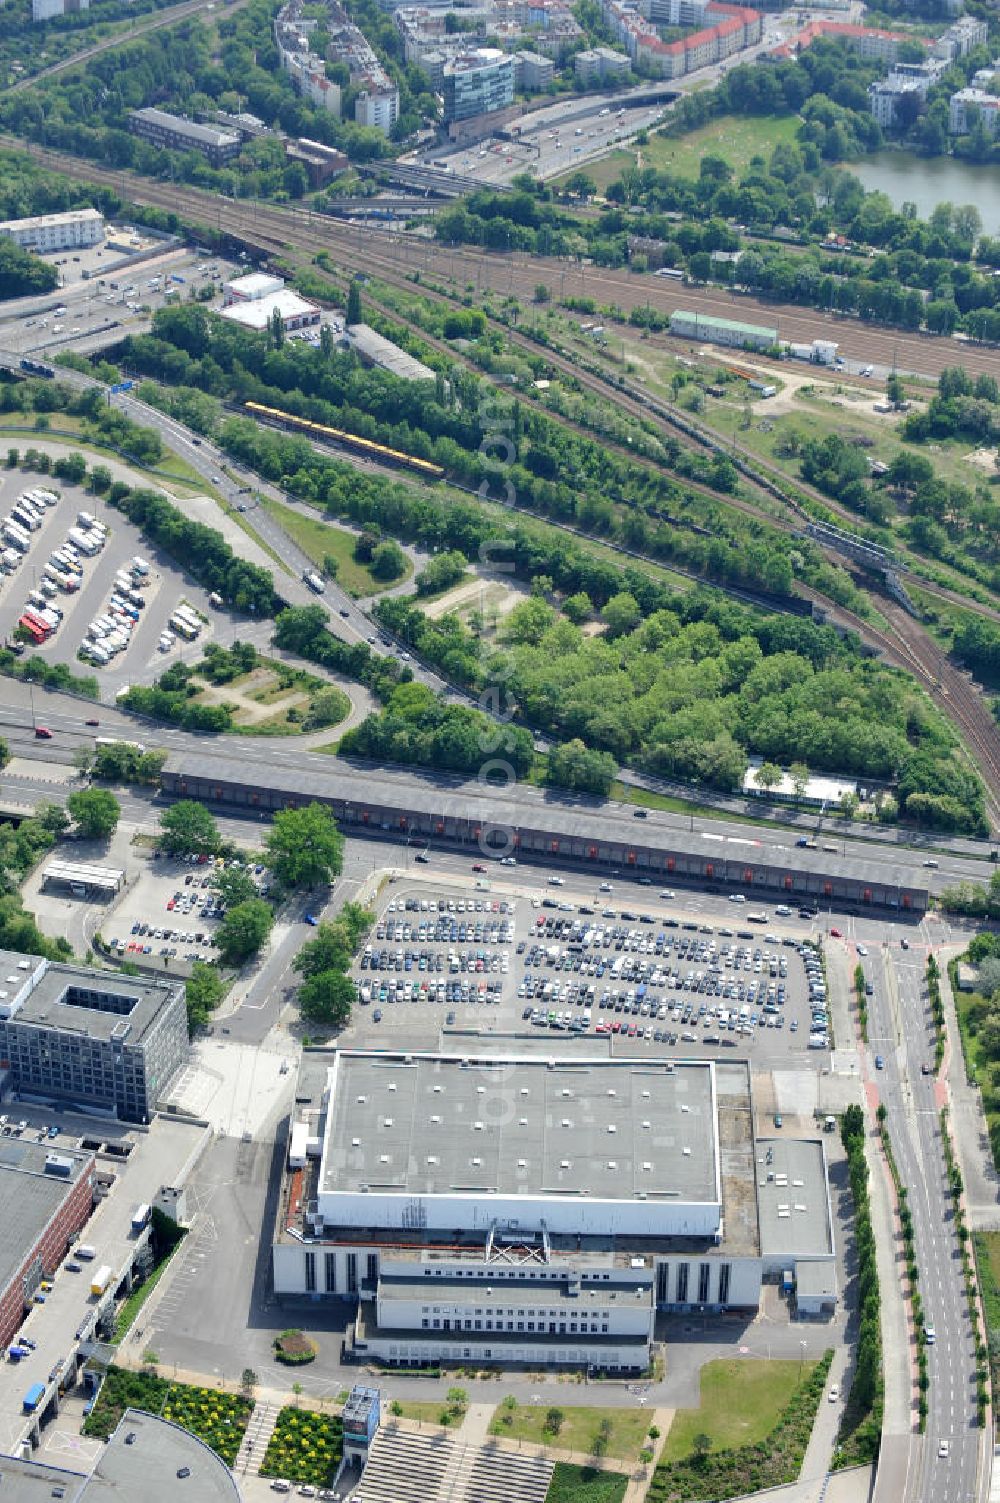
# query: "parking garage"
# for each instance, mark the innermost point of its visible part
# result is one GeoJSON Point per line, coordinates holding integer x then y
{"type": "Point", "coordinates": [566, 832]}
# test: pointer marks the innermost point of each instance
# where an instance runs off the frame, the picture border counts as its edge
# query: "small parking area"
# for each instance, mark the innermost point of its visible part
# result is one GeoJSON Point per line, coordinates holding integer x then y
{"type": "Point", "coordinates": [170, 911]}
{"type": "Point", "coordinates": [534, 965]}
{"type": "Point", "coordinates": [102, 599]}
{"type": "Point", "coordinates": [441, 950]}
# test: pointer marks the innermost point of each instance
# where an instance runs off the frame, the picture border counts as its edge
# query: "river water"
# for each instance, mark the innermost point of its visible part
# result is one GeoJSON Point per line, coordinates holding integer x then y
{"type": "Point", "coordinates": [927, 181]}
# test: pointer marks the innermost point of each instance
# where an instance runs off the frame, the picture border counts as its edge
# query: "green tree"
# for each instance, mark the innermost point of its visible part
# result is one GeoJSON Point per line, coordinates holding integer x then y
{"type": "Point", "coordinates": [4, 752]}
{"type": "Point", "coordinates": [701, 1444]}
{"type": "Point", "coordinates": [621, 614]}
{"type": "Point", "coordinates": [234, 884]}
{"type": "Point", "coordinates": [95, 812]}
{"type": "Point", "coordinates": [767, 776]}
{"type": "Point", "coordinates": [554, 1420]}
{"type": "Point", "coordinates": [578, 608]}
{"type": "Point", "coordinates": [799, 774]}
{"type": "Point", "coordinates": [327, 998]}
{"type": "Point", "coordinates": [53, 817]}
{"type": "Point", "coordinates": [187, 829]}
{"type": "Point", "coordinates": [354, 314]}
{"type": "Point", "coordinates": [248, 1381]}
{"type": "Point", "coordinates": [203, 992]}
{"type": "Point", "coordinates": [243, 930]}
{"type": "Point", "coordinates": [388, 560]}
{"type": "Point", "coordinates": [305, 847]}
{"type": "Point", "coordinates": [331, 950]}
{"type": "Point", "coordinates": [542, 293]}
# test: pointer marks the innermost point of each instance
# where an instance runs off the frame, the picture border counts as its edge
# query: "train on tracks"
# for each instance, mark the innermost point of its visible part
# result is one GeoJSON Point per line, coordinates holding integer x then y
{"type": "Point", "coordinates": [336, 436]}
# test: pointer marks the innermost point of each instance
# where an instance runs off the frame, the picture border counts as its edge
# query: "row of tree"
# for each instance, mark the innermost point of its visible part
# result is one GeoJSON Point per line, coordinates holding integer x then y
{"type": "Point", "coordinates": [860, 1427]}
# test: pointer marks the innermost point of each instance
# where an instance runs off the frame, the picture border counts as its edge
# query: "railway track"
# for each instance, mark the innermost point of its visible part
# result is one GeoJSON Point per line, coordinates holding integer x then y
{"type": "Point", "coordinates": [278, 232]}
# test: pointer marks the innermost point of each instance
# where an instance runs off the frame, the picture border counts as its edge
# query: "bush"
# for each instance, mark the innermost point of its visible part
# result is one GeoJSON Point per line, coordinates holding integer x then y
{"type": "Point", "coordinates": [304, 1447]}
{"type": "Point", "coordinates": [294, 1349]}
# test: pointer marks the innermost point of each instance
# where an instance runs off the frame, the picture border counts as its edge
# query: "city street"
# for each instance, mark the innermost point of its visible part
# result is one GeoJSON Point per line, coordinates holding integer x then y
{"type": "Point", "coordinates": [901, 1033]}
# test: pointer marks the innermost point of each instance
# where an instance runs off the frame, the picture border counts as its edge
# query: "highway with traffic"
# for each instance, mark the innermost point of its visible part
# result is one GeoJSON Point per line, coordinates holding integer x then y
{"type": "Point", "coordinates": [941, 1464]}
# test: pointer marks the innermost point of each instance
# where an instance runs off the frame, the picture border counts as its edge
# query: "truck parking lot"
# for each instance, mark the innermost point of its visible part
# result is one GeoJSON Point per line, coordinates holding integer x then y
{"type": "Point", "coordinates": [133, 593]}
{"type": "Point", "coordinates": [536, 965]}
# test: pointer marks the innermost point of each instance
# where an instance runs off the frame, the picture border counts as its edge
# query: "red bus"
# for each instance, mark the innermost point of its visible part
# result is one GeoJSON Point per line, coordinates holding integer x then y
{"type": "Point", "coordinates": [39, 629]}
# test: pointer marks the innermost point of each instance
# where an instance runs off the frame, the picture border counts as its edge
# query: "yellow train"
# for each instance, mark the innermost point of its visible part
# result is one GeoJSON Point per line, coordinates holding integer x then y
{"type": "Point", "coordinates": [352, 441]}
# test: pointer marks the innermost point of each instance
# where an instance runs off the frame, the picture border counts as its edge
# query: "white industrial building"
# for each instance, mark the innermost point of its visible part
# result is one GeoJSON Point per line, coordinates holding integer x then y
{"type": "Point", "coordinates": [535, 1210]}
{"type": "Point", "coordinates": [74, 230]}
{"type": "Point", "coordinates": [256, 313]}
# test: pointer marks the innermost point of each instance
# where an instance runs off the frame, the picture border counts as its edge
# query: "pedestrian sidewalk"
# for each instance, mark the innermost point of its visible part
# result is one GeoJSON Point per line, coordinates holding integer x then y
{"type": "Point", "coordinates": [968, 1123]}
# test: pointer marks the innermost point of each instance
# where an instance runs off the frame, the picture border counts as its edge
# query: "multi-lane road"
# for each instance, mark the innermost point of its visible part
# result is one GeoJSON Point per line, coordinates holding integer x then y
{"type": "Point", "coordinates": [900, 1031]}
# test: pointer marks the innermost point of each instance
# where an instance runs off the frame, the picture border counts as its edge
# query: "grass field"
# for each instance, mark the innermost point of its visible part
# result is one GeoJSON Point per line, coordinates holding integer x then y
{"type": "Point", "coordinates": [584, 1484]}
{"type": "Point", "coordinates": [427, 1411]}
{"type": "Point", "coordinates": [579, 1429]}
{"type": "Point", "coordinates": [741, 1402]}
{"type": "Point", "coordinates": [736, 139]}
{"type": "Point", "coordinates": [317, 538]}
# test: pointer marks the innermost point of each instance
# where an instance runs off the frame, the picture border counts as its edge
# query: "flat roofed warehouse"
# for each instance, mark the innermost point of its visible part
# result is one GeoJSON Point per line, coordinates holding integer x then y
{"type": "Point", "coordinates": [574, 1142]}
{"type": "Point", "coordinates": [581, 830]}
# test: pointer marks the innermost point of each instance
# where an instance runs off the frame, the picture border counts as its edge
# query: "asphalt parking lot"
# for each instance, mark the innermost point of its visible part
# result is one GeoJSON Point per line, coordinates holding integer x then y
{"type": "Point", "coordinates": [95, 304]}
{"type": "Point", "coordinates": [641, 979]}
{"type": "Point", "coordinates": [162, 589]}
{"type": "Point", "coordinates": [171, 911]}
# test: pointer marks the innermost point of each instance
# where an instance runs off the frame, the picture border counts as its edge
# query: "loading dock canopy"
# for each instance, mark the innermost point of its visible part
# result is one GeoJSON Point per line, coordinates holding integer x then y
{"type": "Point", "coordinates": [102, 879]}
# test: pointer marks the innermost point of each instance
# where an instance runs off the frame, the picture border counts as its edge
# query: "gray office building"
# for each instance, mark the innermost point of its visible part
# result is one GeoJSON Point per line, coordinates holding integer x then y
{"type": "Point", "coordinates": [89, 1039]}
{"type": "Point", "coordinates": [175, 133]}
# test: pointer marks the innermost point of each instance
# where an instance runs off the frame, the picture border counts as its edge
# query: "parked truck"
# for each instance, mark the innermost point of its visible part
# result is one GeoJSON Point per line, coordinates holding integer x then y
{"type": "Point", "coordinates": [83, 541]}
{"type": "Point", "coordinates": [33, 1398]}
{"type": "Point", "coordinates": [100, 1281]}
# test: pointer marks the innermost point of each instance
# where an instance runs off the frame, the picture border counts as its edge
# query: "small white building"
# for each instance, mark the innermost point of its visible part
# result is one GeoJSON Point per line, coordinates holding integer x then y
{"type": "Point", "coordinates": [74, 230]}
{"type": "Point", "coordinates": [251, 288]}
{"type": "Point", "coordinates": [256, 313]}
{"type": "Point", "coordinates": [818, 790]}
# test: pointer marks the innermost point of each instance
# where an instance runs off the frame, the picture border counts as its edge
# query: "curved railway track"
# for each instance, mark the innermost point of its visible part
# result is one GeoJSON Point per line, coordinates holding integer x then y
{"type": "Point", "coordinates": [276, 232]}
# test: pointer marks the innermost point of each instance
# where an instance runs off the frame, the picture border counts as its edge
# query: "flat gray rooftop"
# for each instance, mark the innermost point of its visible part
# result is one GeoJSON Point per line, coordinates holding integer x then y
{"type": "Point", "coordinates": [440, 1124]}
{"type": "Point", "coordinates": [793, 1198]}
{"type": "Point", "coordinates": [147, 1466]}
{"type": "Point", "coordinates": [544, 1292]}
{"type": "Point", "coordinates": [578, 816]}
{"type": "Point", "coordinates": [101, 1003]}
{"type": "Point", "coordinates": [37, 1482]}
{"type": "Point", "coordinates": [30, 1197]}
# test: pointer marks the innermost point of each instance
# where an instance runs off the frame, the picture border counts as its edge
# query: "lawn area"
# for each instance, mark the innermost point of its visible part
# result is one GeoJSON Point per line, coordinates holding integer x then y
{"type": "Point", "coordinates": [584, 1484]}
{"type": "Point", "coordinates": [317, 539]}
{"type": "Point", "coordinates": [427, 1411]}
{"type": "Point", "coordinates": [734, 138]}
{"type": "Point", "coordinates": [741, 1402]}
{"type": "Point", "coordinates": [763, 1408]}
{"type": "Point", "coordinates": [578, 1431]}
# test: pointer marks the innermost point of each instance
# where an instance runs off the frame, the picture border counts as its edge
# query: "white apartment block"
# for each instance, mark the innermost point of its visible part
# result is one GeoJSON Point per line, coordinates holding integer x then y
{"type": "Point", "coordinates": [967, 103]}
{"type": "Point", "coordinates": [74, 230]}
{"type": "Point", "coordinates": [961, 37]}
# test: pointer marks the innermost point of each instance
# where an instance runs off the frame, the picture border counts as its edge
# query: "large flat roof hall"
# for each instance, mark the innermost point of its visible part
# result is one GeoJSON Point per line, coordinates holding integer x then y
{"type": "Point", "coordinates": [589, 1145]}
